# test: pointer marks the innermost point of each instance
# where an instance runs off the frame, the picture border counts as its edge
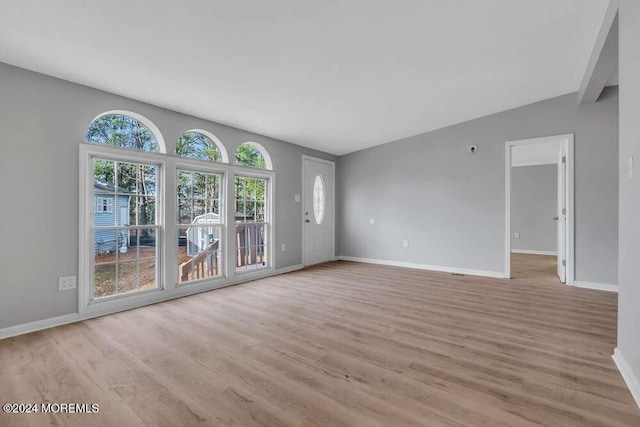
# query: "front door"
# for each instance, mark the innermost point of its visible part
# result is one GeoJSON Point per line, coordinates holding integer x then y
{"type": "Point", "coordinates": [318, 210]}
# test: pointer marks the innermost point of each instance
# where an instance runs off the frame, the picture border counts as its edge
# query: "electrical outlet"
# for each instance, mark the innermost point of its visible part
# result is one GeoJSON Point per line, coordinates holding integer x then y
{"type": "Point", "coordinates": [66, 283]}
{"type": "Point", "coordinates": [405, 243]}
{"type": "Point", "coordinates": [284, 247]}
{"type": "Point", "coordinates": [516, 235]}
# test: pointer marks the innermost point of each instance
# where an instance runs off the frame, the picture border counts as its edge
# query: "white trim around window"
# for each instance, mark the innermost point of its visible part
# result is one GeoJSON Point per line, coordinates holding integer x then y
{"type": "Point", "coordinates": [167, 212]}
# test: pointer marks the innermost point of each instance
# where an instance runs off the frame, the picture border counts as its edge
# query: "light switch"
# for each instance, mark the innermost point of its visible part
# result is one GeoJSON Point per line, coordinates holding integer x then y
{"type": "Point", "coordinates": [296, 198]}
{"type": "Point", "coordinates": [630, 167]}
{"type": "Point", "coordinates": [516, 235]}
{"type": "Point", "coordinates": [372, 221]}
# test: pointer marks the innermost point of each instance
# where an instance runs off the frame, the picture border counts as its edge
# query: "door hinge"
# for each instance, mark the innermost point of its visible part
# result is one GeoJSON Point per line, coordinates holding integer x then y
{"type": "Point", "coordinates": [564, 211]}
{"type": "Point", "coordinates": [564, 262]}
{"type": "Point", "coordinates": [564, 159]}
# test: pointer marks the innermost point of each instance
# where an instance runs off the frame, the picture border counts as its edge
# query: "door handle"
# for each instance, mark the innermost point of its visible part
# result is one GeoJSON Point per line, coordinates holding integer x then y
{"type": "Point", "coordinates": [307, 220]}
{"type": "Point", "coordinates": [555, 218]}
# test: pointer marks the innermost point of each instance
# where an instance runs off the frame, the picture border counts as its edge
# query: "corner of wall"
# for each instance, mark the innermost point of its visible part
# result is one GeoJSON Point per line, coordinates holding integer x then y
{"type": "Point", "coordinates": [632, 381]}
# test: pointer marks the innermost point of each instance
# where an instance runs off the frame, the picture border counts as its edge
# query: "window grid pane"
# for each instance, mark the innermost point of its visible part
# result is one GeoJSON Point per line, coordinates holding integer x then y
{"type": "Point", "coordinates": [124, 230]}
{"type": "Point", "coordinates": [113, 271]}
{"type": "Point", "coordinates": [200, 226]}
{"type": "Point", "coordinates": [251, 223]}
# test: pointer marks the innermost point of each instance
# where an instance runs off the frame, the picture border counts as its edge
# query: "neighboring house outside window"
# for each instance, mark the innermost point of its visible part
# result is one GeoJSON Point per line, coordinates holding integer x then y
{"type": "Point", "coordinates": [109, 212]}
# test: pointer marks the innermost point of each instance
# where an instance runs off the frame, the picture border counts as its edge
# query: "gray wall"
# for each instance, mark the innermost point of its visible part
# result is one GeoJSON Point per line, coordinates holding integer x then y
{"type": "Point", "coordinates": [450, 205]}
{"type": "Point", "coordinates": [534, 204]}
{"type": "Point", "coordinates": [42, 122]}
{"type": "Point", "coordinates": [629, 266]}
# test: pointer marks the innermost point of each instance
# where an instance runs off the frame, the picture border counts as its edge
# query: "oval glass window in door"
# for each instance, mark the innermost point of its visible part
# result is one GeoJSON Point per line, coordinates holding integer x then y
{"type": "Point", "coordinates": [318, 199]}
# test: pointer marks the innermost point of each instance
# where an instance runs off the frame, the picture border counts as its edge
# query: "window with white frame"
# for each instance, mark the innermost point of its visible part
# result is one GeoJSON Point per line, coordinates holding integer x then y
{"type": "Point", "coordinates": [200, 226]}
{"type": "Point", "coordinates": [252, 223]}
{"type": "Point", "coordinates": [124, 131]}
{"type": "Point", "coordinates": [201, 145]}
{"type": "Point", "coordinates": [125, 244]}
{"type": "Point", "coordinates": [132, 190]}
{"type": "Point", "coordinates": [253, 155]}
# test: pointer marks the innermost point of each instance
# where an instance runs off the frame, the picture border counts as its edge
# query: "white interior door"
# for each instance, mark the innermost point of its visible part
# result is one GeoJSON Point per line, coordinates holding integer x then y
{"type": "Point", "coordinates": [562, 213]}
{"type": "Point", "coordinates": [318, 210]}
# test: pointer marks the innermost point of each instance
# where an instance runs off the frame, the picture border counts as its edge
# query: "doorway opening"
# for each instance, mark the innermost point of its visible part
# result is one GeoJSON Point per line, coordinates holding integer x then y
{"type": "Point", "coordinates": [539, 229]}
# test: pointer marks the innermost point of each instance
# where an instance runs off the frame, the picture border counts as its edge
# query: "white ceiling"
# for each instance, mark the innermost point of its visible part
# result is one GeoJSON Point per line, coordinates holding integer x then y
{"type": "Point", "coordinates": [541, 153]}
{"type": "Point", "coordinates": [337, 75]}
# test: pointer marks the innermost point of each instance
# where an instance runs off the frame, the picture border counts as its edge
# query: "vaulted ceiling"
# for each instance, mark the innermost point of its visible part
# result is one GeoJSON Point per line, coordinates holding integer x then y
{"type": "Point", "coordinates": [337, 75]}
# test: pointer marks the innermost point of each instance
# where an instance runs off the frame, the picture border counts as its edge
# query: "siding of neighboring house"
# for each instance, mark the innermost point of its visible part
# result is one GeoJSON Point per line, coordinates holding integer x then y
{"type": "Point", "coordinates": [107, 240]}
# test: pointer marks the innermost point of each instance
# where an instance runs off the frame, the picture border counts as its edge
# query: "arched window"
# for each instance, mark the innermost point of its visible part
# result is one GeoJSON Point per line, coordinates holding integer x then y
{"type": "Point", "coordinates": [125, 130]}
{"type": "Point", "coordinates": [199, 144]}
{"type": "Point", "coordinates": [253, 155]}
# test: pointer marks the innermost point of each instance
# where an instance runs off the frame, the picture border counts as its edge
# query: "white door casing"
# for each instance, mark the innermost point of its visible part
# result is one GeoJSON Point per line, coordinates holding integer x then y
{"type": "Point", "coordinates": [318, 210]}
{"type": "Point", "coordinates": [562, 213]}
{"type": "Point", "coordinates": [566, 142]}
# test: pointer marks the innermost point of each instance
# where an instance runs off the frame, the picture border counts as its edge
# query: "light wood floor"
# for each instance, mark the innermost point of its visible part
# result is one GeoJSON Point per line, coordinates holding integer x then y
{"type": "Point", "coordinates": [342, 344]}
{"type": "Point", "coordinates": [534, 269]}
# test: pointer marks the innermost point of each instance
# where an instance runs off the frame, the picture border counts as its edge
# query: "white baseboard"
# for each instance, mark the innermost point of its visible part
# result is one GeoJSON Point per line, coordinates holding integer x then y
{"type": "Point", "coordinates": [532, 252]}
{"type": "Point", "coordinates": [470, 272]}
{"type": "Point", "coordinates": [597, 286]}
{"type": "Point", "coordinates": [39, 325]}
{"type": "Point", "coordinates": [52, 322]}
{"type": "Point", "coordinates": [632, 381]}
{"type": "Point", "coordinates": [289, 269]}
